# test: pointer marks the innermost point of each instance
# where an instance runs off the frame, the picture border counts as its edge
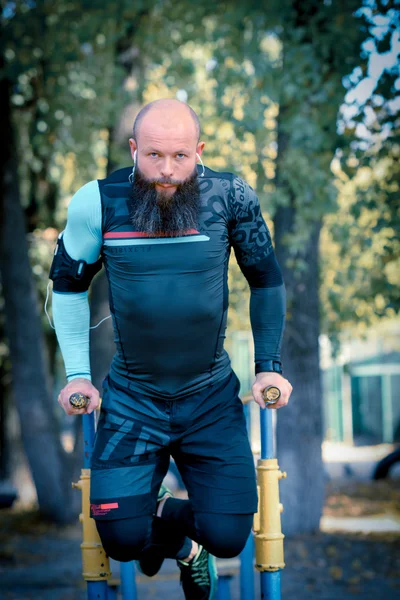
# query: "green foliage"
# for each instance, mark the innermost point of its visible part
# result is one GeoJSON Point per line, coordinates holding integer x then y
{"type": "Point", "coordinates": [268, 82]}
{"type": "Point", "coordinates": [363, 236]}
{"type": "Point", "coordinates": [68, 88]}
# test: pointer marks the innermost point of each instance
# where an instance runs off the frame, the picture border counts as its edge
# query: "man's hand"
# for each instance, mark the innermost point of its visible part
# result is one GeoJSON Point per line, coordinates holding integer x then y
{"type": "Point", "coordinates": [84, 386]}
{"type": "Point", "coordinates": [264, 380]}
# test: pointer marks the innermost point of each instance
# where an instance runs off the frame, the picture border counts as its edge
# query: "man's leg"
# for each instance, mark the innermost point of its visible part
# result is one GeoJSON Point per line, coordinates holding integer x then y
{"type": "Point", "coordinates": [217, 466]}
{"type": "Point", "coordinates": [166, 541]}
{"type": "Point", "coordinates": [130, 459]}
{"type": "Point", "coordinates": [123, 539]}
{"type": "Point", "coordinates": [224, 536]}
{"type": "Point", "coordinates": [128, 539]}
{"type": "Point", "coordinates": [214, 458]}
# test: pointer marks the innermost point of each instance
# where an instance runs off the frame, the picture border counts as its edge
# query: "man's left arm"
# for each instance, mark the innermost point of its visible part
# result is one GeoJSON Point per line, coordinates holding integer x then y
{"type": "Point", "coordinates": [252, 243]}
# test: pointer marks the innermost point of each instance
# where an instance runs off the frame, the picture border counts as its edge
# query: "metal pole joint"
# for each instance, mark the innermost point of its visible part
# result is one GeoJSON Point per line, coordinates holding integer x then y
{"type": "Point", "coordinates": [95, 562]}
{"type": "Point", "coordinates": [267, 521]}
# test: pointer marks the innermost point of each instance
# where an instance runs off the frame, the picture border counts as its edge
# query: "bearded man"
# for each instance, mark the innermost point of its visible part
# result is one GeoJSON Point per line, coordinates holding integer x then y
{"type": "Point", "coordinates": [164, 232]}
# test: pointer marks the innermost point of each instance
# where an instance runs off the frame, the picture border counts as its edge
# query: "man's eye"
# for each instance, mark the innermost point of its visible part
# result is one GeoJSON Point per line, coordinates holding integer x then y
{"type": "Point", "coordinates": [153, 154]}
{"type": "Point", "coordinates": [180, 155]}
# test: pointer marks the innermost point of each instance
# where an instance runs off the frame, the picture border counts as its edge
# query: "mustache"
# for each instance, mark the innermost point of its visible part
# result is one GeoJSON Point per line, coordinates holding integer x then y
{"type": "Point", "coordinates": [165, 180]}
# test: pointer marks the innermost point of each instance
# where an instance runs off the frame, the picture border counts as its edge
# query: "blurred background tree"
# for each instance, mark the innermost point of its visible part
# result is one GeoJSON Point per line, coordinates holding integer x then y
{"type": "Point", "coordinates": [272, 85]}
{"type": "Point", "coordinates": [362, 235]}
{"type": "Point", "coordinates": [58, 68]}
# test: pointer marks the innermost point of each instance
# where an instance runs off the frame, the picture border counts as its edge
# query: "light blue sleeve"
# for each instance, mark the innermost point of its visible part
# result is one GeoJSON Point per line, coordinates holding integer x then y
{"type": "Point", "coordinates": [82, 240]}
{"type": "Point", "coordinates": [83, 236]}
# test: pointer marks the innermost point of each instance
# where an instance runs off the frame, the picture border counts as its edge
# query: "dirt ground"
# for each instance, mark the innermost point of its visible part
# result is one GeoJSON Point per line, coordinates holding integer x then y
{"type": "Point", "coordinates": [42, 562]}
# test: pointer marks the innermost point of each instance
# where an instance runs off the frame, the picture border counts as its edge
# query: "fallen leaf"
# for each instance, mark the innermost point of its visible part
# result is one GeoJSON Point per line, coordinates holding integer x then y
{"type": "Point", "coordinates": [331, 550]}
{"type": "Point", "coordinates": [336, 572]}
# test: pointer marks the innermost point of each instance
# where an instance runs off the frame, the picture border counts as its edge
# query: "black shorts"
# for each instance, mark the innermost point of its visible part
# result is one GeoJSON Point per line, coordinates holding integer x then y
{"type": "Point", "coordinates": [206, 435]}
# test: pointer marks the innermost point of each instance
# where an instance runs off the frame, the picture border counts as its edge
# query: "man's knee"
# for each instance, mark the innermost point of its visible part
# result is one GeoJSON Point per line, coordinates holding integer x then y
{"type": "Point", "coordinates": [224, 536]}
{"type": "Point", "coordinates": [123, 539]}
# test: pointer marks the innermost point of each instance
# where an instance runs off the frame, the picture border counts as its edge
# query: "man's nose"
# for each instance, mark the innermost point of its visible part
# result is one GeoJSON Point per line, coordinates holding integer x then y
{"type": "Point", "coordinates": [167, 168]}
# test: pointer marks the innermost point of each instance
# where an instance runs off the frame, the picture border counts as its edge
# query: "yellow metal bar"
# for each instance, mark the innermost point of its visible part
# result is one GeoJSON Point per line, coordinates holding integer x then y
{"type": "Point", "coordinates": [267, 521]}
{"type": "Point", "coordinates": [95, 562]}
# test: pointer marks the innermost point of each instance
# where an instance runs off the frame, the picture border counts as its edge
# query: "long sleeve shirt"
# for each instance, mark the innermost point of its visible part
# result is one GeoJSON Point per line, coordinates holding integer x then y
{"type": "Point", "coordinates": [169, 296]}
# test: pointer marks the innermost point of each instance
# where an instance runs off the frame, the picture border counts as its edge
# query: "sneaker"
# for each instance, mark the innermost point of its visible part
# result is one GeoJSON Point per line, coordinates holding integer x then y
{"type": "Point", "coordinates": [152, 557]}
{"type": "Point", "coordinates": [199, 576]}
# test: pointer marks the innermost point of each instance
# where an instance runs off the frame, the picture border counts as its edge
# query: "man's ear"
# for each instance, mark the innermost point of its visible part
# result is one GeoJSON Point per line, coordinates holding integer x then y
{"type": "Point", "coordinates": [133, 147]}
{"type": "Point", "coordinates": [200, 148]}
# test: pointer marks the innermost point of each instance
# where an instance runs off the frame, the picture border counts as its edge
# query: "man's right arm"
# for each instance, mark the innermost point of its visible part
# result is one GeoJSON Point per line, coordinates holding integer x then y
{"type": "Point", "coordinates": [73, 267]}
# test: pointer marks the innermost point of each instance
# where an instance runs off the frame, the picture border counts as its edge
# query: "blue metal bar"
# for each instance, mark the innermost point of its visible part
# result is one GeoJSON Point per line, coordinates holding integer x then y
{"type": "Point", "coordinates": [223, 589]}
{"type": "Point", "coordinates": [270, 580]}
{"type": "Point", "coordinates": [271, 585]}
{"type": "Point", "coordinates": [247, 570]}
{"type": "Point", "coordinates": [88, 439]}
{"type": "Point", "coordinates": [97, 590]}
{"type": "Point", "coordinates": [267, 441]}
{"type": "Point", "coordinates": [128, 584]}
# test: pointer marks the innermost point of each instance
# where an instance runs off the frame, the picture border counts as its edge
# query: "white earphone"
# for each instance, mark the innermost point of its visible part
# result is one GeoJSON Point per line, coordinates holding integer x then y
{"type": "Point", "coordinates": [202, 165]}
{"type": "Point", "coordinates": [131, 176]}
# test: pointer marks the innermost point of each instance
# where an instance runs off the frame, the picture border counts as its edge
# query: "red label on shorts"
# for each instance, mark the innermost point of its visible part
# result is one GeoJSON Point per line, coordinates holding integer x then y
{"type": "Point", "coordinates": [102, 509]}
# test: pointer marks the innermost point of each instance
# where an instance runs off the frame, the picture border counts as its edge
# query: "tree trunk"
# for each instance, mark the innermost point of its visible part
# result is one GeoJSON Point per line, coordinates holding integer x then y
{"type": "Point", "coordinates": [299, 425]}
{"type": "Point", "coordinates": [39, 430]}
{"type": "Point", "coordinates": [4, 441]}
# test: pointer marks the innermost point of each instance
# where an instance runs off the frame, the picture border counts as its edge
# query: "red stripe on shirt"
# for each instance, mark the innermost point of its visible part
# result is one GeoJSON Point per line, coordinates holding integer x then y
{"type": "Point", "coordinates": [140, 234]}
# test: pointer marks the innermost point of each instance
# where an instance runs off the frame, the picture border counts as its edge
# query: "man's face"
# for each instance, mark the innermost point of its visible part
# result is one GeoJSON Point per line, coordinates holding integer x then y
{"type": "Point", "coordinates": [166, 149]}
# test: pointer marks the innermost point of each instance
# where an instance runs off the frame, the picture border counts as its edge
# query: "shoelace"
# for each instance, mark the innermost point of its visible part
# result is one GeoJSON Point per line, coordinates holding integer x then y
{"type": "Point", "coordinates": [199, 570]}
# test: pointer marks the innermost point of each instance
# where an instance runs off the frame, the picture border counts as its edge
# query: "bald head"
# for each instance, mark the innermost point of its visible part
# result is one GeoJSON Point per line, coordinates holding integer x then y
{"type": "Point", "coordinates": [167, 113]}
{"type": "Point", "coordinates": [165, 145]}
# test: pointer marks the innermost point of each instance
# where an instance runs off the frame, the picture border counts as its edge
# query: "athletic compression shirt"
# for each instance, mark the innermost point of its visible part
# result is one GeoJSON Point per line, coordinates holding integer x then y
{"type": "Point", "coordinates": [169, 296]}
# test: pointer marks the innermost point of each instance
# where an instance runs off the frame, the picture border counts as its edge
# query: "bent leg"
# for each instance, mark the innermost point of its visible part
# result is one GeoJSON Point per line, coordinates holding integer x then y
{"type": "Point", "coordinates": [129, 461]}
{"type": "Point", "coordinates": [128, 539]}
{"type": "Point", "coordinates": [224, 536]}
{"type": "Point", "coordinates": [123, 539]}
{"type": "Point", "coordinates": [216, 463]}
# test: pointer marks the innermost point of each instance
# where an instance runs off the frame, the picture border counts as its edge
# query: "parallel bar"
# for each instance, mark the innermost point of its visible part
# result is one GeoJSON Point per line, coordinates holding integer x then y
{"type": "Point", "coordinates": [267, 441]}
{"type": "Point", "coordinates": [247, 570]}
{"type": "Point", "coordinates": [270, 580]}
{"type": "Point", "coordinates": [223, 589]}
{"type": "Point", "coordinates": [128, 584]}
{"type": "Point", "coordinates": [270, 585]}
{"type": "Point", "coordinates": [97, 590]}
{"type": "Point", "coordinates": [88, 439]}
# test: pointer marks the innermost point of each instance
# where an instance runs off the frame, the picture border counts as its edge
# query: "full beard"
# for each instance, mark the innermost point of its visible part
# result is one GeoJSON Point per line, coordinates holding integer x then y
{"type": "Point", "coordinates": [157, 213]}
